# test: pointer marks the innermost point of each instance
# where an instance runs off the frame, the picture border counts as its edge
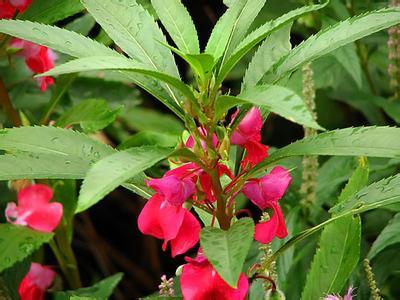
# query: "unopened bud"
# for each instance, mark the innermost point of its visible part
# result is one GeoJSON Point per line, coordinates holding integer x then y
{"type": "Point", "coordinates": [17, 185]}
{"type": "Point", "coordinates": [275, 295]}
{"type": "Point", "coordinates": [178, 271]}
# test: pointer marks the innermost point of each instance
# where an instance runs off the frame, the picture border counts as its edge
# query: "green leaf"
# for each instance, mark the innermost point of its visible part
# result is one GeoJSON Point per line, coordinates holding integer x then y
{"type": "Point", "coordinates": [120, 63]}
{"type": "Point", "coordinates": [134, 30]}
{"type": "Point", "coordinates": [179, 24]}
{"type": "Point", "coordinates": [101, 290]}
{"type": "Point", "coordinates": [49, 12]}
{"type": "Point", "coordinates": [228, 3]}
{"type": "Point", "coordinates": [281, 101]}
{"type": "Point", "coordinates": [334, 37]}
{"type": "Point", "coordinates": [114, 170]}
{"type": "Point", "coordinates": [82, 25]}
{"type": "Point", "coordinates": [358, 141]}
{"type": "Point", "coordinates": [58, 39]}
{"type": "Point", "coordinates": [147, 138]}
{"type": "Point", "coordinates": [270, 51]}
{"type": "Point", "coordinates": [42, 166]}
{"type": "Point", "coordinates": [389, 236]}
{"type": "Point", "coordinates": [339, 247]}
{"type": "Point", "coordinates": [259, 35]}
{"type": "Point", "coordinates": [227, 250]}
{"type": "Point", "coordinates": [18, 242]}
{"type": "Point", "coordinates": [11, 278]}
{"type": "Point", "coordinates": [92, 115]}
{"type": "Point", "coordinates": [53, 140]}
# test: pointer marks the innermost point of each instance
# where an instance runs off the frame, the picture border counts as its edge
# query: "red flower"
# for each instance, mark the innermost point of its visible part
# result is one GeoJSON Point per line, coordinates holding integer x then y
{"type": "Point", "coordinates": [200, 281]}
{"type": "Point", "coordinates": [36, 281]}
{"type": "Point", "coordinates": [265, 192]}
{"type": "Point", "coordinates": [8, 8]}
{"type": "Point", "coordinates": [34, 209]}
{"type": "Point", "coordinates": [171, 223]}
{"type": "Point", "coordinates": [39, 59]}
{"type": "Point", "coordinates": [248, 135]}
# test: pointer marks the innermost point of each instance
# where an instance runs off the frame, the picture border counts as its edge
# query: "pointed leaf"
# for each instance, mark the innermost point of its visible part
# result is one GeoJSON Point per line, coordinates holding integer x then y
{"type": "Point", "coordinates": [339, 246]}
{"type": "Point", "coordinates": [335, 37]}
{"type": "Point", "coordinates": [18, 242]}
{"type": "Point", "coordinates": [258, 35]}
{"type": "Point", "coordinates": [179, 24]}
{"type": "Point", "coordinates": [389, 236]}
{"type": "Point", "coordinates": [112, 171]}
{"type": "Point", "coordinates": [270, 51]}
{"type": "Point", "coordinates": [227, 250]}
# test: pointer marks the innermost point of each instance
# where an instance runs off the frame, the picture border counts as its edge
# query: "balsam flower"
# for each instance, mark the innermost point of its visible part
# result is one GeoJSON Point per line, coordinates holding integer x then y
{"type": "Point", "coordinates": [38, 59]}
{"type": "Point", "coordinates": [200, 281]}
{"type": "Point", "coordinates": [348, 296]}
{"type": "Point", "coordinates": [171, 223]}
{"type": "Point", "coordinates": [34, 209]}
{"type": "Point", "coordinates": [265, 192]}
{"type": "Point", "coordinates": [35, 283]}
{"type": "Point", "coordinates": [8, 8]}
{"type": "Point", "coordinates": [248, 135]}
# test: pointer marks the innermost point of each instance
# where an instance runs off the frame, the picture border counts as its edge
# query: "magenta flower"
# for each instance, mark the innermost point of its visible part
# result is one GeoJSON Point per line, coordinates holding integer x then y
{"type": "Point", "coordinates": [200, 281]}
{"type": "Point", "coordinates": [8, 8]}
{"type": "Point", "coordinates": [174, 190]}
{"type": "Point", "coordinates": [348, 296]}
{"type": "Point", "coordinates": [36, 282]}
{"type": "Point", "coordinates": [34, 209]}
{"type": "Point", "coordinates": [265, 192]}
{"type": "Point", "coordinates": [248, 135]}
{"type": "Point", "coordinates": [171, 223]}
{"type": "Point", "coordinates": [190, 141]}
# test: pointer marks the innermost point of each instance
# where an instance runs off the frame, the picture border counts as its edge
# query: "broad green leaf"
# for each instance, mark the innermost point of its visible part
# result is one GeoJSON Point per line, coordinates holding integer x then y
{"type": "Point", "coordinates": [118, 63]}
{"type": "Point", "coordinates": [58, 39]}
{"type": "Point", "coordinates": [247, 14]}
{"type": "Point", "coordinates": [179, 24]}
{"type": "Point", "coordinates": [92, 115]}
{"type": "Point", "coordinates": [339, 246]}
{"type": "Point", "coordinates": [11, 278]}
{"type": "Point", "coordinates": [135, 31]}
{"type": "Point", "coordinates": [334, 37]}
{"type": "Point", "coordinates": [24, 165]}
{"type": "Point", "coordinates": [281, 101]}
{"type": "Point", "coordinates": [18, 242]}
{"type": "Point", "coordinates": [378, 194]}
{"type": "Point", "coordinates": [389, 236]}
{"type": "Point", "coordinates": [150, 138]}
{"type": "Point", "coordinates": [259, 35]}
{"type": "Point", "coordinates": [101, 290]}
{"type": "Point", "coordinates": [82, 25]}
{"type": "Point", "coordinates": [53, 140]}
{"type": "Point", "coordinates": [270, 51]}
{"type": "Point", "coordinates": [113, 170]}
{"type": "Point", "coordinates": [49, 12]}
{"type": "Point", "coordinates": [228, 2]}
{"type": "Point", "coordinates": [227, 250]}
{"type": "Point", "coordinates": [358, 141]}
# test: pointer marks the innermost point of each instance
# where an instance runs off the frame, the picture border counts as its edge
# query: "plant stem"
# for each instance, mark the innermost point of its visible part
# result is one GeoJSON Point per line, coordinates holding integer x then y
{"type": "Point", "coordinates": [223, 218]}
{"type": "Point", "coordinates": [66, 259]}
{"type": "Point", "coordinates": [7, 105]}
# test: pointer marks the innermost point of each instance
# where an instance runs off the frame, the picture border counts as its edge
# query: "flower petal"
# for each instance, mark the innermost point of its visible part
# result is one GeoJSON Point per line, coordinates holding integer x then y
{"type": "Point", "coordinates": [45, 217]}
{"type": "Point", "coordinates": [252, 190]}
{"type": "Point", "coordinates": [275, 184]}
{"type": "Point", "coordinates": [148, 220]}
{"type": "Point", "coordinates": [188, 235]}
{"type": "Point", "coordinates": [34, 195]}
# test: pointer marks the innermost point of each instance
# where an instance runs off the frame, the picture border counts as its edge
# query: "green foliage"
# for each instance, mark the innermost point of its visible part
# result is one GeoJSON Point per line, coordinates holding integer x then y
{"type": "Point", "coordinates": [227, 250]}
{"type": "Point", "coordinates": [92, 115]}
{"type": "Point", "coordinates": [101, 290]}
{"type": "Point", "coordinates": [389, 236]}
{"type": "Point", "coordinates": [334, 37]}
{"type": "Point", "coordinates": [339, 246]}
{"type": "Point", "coordinates": [10, 279]}
{"type": "Point", "coordinates": [49, 12]}
{"type": "Point", "coordinates": [179, 24]}
{"type": "Point", "coordinates": [119, 167]}
{"type": "Point", "coordinates": [147, 138]}
{"type": "Point", "coordinates": [18, 242]}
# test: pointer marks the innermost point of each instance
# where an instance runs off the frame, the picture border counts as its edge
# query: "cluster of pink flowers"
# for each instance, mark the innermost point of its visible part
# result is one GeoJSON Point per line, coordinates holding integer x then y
{"type": "Point", "coordinates": [38, 59]}
{"type": "Point", "coordinates": [165, 217]}
{"type": "Point", "coordinates": [34, 210]}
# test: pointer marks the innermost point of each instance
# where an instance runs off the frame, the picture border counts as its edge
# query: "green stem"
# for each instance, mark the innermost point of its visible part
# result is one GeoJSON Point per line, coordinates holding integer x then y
{"type": "Point", "coordinates": [7, 105]}
{"type": "Point", "coordinates": [223, 218]}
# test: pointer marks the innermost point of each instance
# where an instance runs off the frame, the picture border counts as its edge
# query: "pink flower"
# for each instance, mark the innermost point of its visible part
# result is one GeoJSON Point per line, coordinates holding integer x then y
{"type": "Point", "coordinates": [8, 8]}
{"type": "Point", "coordinates": [190, 141]}
{"type": "Point", "coordinates": [36, 281]}
{"type": "Point", "coordinates": [248, 135]}
{"type": "Point", "coordinates": [171, 223]}
{"type": "Point", "coordinates": [206, 181]}
{"type": "Point", "coordinates": [265, 192]}
{"type": "Point", "coordinates": [174, 190]}
{"type": "Point", "coordinates": [39, 59]}
{"type": "Point", "coordinates": [348, 296]}
{"type": "Point", "coordinates": [200, 281]}
{"type": "Point", "coordinates": [34, 209]}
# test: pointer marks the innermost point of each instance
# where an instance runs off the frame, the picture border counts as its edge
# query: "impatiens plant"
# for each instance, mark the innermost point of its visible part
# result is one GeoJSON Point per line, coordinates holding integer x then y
{"type": "Point", "coordinates": [233, 248]}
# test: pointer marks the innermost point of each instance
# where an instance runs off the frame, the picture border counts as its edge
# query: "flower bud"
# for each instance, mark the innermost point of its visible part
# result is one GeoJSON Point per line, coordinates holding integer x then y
{"type": "Point", "coordinates": [275, 295]}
